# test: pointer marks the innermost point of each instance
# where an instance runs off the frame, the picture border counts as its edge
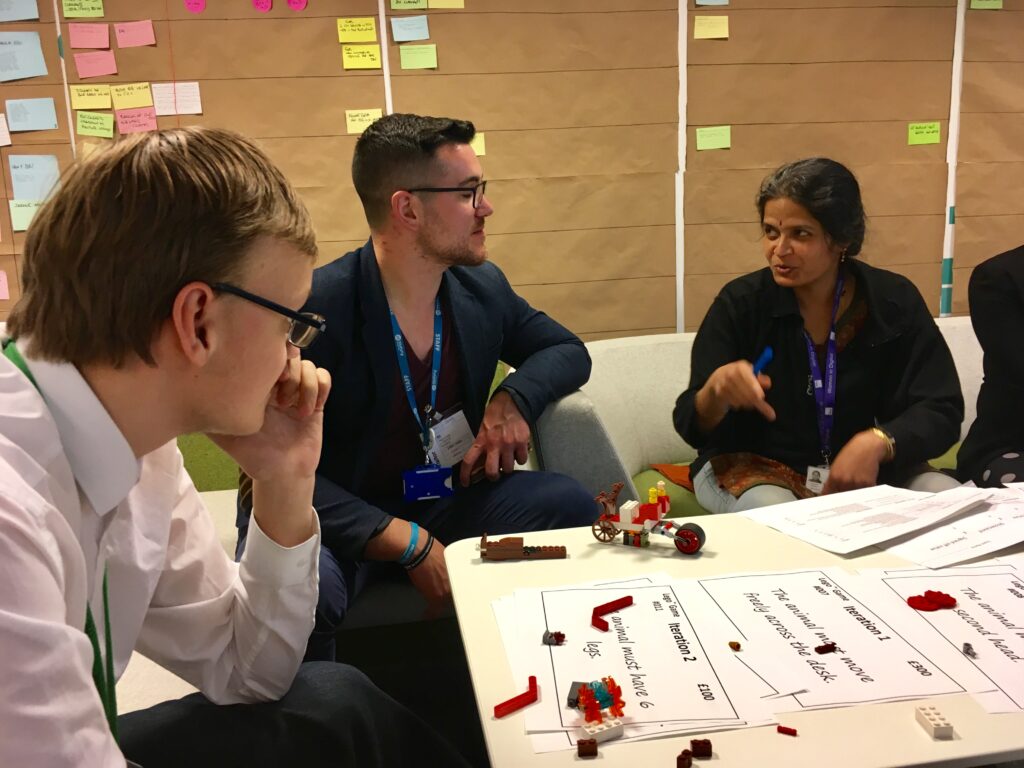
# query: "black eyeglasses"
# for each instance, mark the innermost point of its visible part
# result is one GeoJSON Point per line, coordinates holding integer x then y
{"type": "Point", "coordinates": [304, 326]}
{"type": "Point", "coordinates": [477, 191]}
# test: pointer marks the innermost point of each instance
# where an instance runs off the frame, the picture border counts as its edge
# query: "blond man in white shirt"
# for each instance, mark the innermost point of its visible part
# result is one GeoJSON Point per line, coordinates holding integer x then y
{"type": "Point", "coordinates": [160, 292]}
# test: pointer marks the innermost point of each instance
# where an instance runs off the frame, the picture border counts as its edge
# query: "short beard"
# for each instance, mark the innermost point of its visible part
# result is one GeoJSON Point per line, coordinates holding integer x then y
{"type": "Point", "coordinates": [456, 256]}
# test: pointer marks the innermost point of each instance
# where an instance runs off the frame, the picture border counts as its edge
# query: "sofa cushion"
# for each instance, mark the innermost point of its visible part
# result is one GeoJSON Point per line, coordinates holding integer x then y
{"type": "Point", "coordinates": [684, 503]}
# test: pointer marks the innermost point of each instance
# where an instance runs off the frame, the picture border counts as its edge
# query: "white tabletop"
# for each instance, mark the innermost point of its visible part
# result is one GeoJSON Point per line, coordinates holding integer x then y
{"type": "Point", "coordinates": [863, 736]}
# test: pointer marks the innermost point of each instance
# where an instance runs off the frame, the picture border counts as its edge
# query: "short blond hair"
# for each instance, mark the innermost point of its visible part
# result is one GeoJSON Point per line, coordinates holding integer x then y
{"type": "Point", "coordinates": [106, 255]}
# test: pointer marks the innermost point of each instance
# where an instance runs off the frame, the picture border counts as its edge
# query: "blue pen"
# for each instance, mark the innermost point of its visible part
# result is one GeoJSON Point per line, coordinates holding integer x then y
{"type": "Point", "coordinates": [763, 360]}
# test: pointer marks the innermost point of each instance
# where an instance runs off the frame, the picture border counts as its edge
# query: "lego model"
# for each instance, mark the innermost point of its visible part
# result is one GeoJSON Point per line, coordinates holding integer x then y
{"type": "Point", "coordinates": [684, 759]}
{"type": "Point", "coordinates": [552, 638]}
{"type": "Point", "coordinates": [700, 748]}
{"type": "Point", "coordinates": [934, 723]}
{"type": "Point", "coordinates": [601, 703]}
{"type": "Point", "coordinates": [931, 601]}
{"type": "Point", "coordinates": [785, 729]}
{"type": "Point", "coordinates": [637, 521]}
{"type": "Point", "coordinates": [596, 619]}
{"type": "Point", "coordinates": [518, 702]}
{"type": "Point", "coordinates": [586, 748]}
{"type": "Point", "coordinates": [826, 648]}
{"type": "Point", "coordinates": [572, 701]}
{"type": "Point", "coordinates": [512, 548]}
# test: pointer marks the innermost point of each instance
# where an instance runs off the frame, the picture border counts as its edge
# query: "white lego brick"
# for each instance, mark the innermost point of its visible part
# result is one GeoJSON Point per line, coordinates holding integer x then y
{"type": "Point", "coordinates": [610, 728]}
{"type": "Point", "coordinates": [628, 511]}
{"type": "Point", "coordinates": [932, 720]}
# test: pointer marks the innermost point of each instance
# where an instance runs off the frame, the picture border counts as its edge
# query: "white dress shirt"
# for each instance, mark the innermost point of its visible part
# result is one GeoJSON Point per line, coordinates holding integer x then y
{"type": "Point", "coordinates": [73, 500]}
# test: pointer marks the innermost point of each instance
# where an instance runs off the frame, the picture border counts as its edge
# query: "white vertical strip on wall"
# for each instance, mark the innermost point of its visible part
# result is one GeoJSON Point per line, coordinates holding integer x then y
{"type": "Point", "coordinates": [64, 78]}
{"type": "Point", "coordinates": [680, 238]}
{"type": "Point", "coordinates": [952, 150]}
{"type": "Point", "coordinates": [389, 103]}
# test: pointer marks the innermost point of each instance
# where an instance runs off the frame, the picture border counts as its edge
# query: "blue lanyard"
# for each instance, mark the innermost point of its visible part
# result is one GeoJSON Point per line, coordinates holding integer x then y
{"type": "Point", "coordinates": [825, 386]}
{"type": "Point", "coordinates": [435, 370]}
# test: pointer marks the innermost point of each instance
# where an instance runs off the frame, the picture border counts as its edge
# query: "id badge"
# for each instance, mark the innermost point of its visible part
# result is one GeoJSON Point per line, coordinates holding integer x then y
{"type": "Point", "coordinates": [427, 482]}
{"type": "Point", "coordinates": [816, 478]}
{"type": "Point", "coordinates": [450, 438]}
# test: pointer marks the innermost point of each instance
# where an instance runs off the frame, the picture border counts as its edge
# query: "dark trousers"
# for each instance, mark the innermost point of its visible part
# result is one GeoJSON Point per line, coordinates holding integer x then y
{"type": "Point", "coordinates": [518, 502]}
{"type": "Point", "coordinates": [332, 716]}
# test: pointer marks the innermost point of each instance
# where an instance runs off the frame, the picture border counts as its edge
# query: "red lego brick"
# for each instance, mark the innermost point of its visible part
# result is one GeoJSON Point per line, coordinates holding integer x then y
{"type": "Point", "coordinates": [517, 702]}
{"type": "Point", "coordinates": [701, 748]}
{"type": "Point", "coordinates": [586, 747]}
{"type": "Point", "coordinates": [931, 601]}
{"type": "Point", "coordinates": [786, 730]}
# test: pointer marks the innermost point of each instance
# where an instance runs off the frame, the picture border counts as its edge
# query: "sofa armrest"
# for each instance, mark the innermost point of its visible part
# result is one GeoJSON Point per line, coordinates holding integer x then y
{"type": "Point", "coordinates": [571, 439]}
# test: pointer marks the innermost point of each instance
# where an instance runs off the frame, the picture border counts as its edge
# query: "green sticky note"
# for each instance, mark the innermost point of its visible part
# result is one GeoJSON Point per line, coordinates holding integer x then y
{"type": "Point", "coordinates": [95, 124]}
{"type": "Point", "coordinates": [419, 56]}
{"type": "Point", "coordinates": [408, 5]}
{"type": "Point", "coordinates": [987, 5]}
{"type": "Point", "coordinates": [82, 9]}
{"type": "Point", "coordinates": [22, 212]}
{"type": "Point", "coordinates": [924, 133]}
{"type": "Point", "coordinates": [714, 137]}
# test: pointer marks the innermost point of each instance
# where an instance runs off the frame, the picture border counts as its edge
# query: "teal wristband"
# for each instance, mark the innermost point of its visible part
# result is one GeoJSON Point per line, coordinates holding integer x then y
{"type": "Point", "coordinates": [413, 540]}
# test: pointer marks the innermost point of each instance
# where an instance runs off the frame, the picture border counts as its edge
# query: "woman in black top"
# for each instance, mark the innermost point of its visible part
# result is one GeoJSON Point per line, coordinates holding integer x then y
{"type": "Point", "coordinates": [861, 387]}
{"type": "Point", "coordinates": [993, 452]}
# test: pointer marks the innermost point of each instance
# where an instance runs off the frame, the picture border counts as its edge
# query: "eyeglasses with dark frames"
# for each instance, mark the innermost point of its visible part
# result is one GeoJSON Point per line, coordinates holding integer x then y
{"type": "Point", "coordinates": [478, 191]}
{"type": "Point", "coordinates": [304, 327]}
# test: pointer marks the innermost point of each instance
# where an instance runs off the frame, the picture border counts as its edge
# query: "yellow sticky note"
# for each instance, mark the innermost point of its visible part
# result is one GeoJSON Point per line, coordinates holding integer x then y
{"type": "Point", "coordinates": [95, 124]}
{"type": "Point", "coordinates": [87, 147]}
{"type": "Point", "coordinates": [361, 30]}
{"type": "Point", "coordinates": [358, 120]}
{"type": "Point", "coordinates": [360, 56]}
{"type": "Point", "coordinates": [479, 144]}
{"type": "Point", "coordinates": [987, 5]}
{"type": "Point", "coordinates": [710, 27]}
{"type": "Point", "coordinates": [714, 137]}
{"type": "Point", "coordinates": [446, 3]}
{"type": "Point", "coordinates": [90, 96]}
{"type": "Point", "coordinates": [924, 133]}
{"type": "Point", "coordinates": [22, 212]}
{"type": "Point", "coordinates": [131, 95]}
{"type": "Point", "coordinates": [419, 56]}
{"type": "Point", "coordinates": [83, 9]}
{"type": "Point", "coordinates": [408, 5]}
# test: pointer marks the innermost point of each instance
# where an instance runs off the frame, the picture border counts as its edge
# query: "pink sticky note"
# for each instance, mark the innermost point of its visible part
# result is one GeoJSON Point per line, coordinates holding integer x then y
{"type": "Point", "coordinates": [297, 5]}
{"type": "Point", "coordinates": [95, 64]}
{"type": "Point", "coordinates": [132, 34]}
{"type": "Point", "coordinates": [89, 35]}
{"type": "Point", "coordinates": [195, 6]}
{"type": "Point", "coordinates": [5, 291]}
{"type": "Point", "coordinates": [136, 120]}
{"type": "Point", "coordinates": [262, 5]}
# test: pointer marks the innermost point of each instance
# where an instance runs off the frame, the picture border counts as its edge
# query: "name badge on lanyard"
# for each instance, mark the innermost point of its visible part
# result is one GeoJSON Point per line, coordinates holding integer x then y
{"type": "Point", "coordinates": [427, 481]}
{"type": "Point", "coordinates": [824, 388]}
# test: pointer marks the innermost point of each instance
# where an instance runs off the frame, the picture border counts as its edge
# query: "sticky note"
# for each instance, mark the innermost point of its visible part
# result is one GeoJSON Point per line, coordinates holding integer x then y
{"type": "Point", "coordinates": [446, 3]}
{"type": "Point", "coordinates": [714, 137]}
{"type": "Point", "coordinates": [86, 147]}
{"type": "Point", "coordinates": [987, 5]}
{"type": "Point", "coordinates": [31, 114]}
{"type": "Point", "coordinates": [358, 30]}
{"type": "Point", "coordinates": [132, 34]}
{"type": "Point", "coordinates": [479, 144]}
{"type": "Point", "coordinates": [710, 27]}
{"type": "Point", "coordinates": [22, 212]}
{"type": "Point", "coordinates": [195, 6]}
{"type": "Point", "coordinates": [136, 120]}
{"type": "Point", "coordinates": [360, 56]}
{"type": "Point", "coordinates": [90, 96]}
{"type": "Point", "coordinates": [86, 35]}
{"type": "Point", "coordinates": [177, 98]}
{"type": "Point", "coordinates": [33, 176]}
{"type": "Point", "coordinates": [419, 56]}
{"type": "Point", "coordinates": [712, 2]}
{"type": "Point", "coordinates": [95, 64]}
{"type": "Point", "coordinates": [5, 133]}
{"type": "Point", "coordinates": [408, 5]}
{"type": "Point", "coordinates": [19, 10]}
{"type": "Point", "coordinates": [262, 5]}
{"type": "Point", "coordinates": [297, 5]}
{"type": "Point", "coordinates": [358, 120]}
{"type": "Point", "coordinates": [5, 289]}
{"type": "Point", "coordinates": [21, 55]}
{"type": "Point", "coordinates": [82, 9]}
{"type": "Point", "coordinates": [131, 95]}
{"type": "Point", "coordinates": [406, 28]}
{"type": "Point", "coordinates": [95, 124]}
{"type": "Point", "coordinates": [924, 133]}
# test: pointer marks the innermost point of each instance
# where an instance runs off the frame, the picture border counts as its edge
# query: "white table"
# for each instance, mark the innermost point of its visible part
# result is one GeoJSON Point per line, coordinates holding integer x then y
{"type": "Point", "coordinates": [877, 735]}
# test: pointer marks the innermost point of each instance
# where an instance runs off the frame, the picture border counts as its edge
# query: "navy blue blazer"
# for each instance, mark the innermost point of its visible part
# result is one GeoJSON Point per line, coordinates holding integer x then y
{"type": "Point", "coordinates": [490, 322]}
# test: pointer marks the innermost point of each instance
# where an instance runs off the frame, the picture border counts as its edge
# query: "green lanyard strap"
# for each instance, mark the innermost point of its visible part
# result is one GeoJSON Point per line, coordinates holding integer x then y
{"type": "Point", "coordinates": [102, 674]}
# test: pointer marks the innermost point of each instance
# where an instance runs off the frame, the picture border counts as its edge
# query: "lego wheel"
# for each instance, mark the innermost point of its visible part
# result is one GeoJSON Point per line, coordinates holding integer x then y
{"type": "Point", "coordinates": [603, 530]}
{"type": "Point", "coordinates": [689, 538]}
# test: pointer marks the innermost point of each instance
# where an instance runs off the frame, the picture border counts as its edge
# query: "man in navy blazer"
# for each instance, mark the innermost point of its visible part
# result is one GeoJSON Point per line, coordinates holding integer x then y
{"type": "Point", "coordinates": [417, 320]}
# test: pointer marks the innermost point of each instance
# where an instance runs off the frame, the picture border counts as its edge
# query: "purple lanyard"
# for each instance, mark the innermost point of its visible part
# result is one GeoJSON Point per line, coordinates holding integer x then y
{"type": "Point", "coordinates": [825, 387]}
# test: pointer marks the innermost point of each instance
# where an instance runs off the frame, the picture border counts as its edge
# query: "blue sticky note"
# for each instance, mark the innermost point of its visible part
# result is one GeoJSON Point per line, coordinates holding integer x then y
{"type": "Point", "coordinates": [408, 28]}
{"type": "Point", "coordinates": [19, 10]}
{"type": "Point", "coordinates": [31, 114]}
{"type": "Point", "coordinates": [21, 56]}
{"type": "Point", "coordinates": [33, 176]}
